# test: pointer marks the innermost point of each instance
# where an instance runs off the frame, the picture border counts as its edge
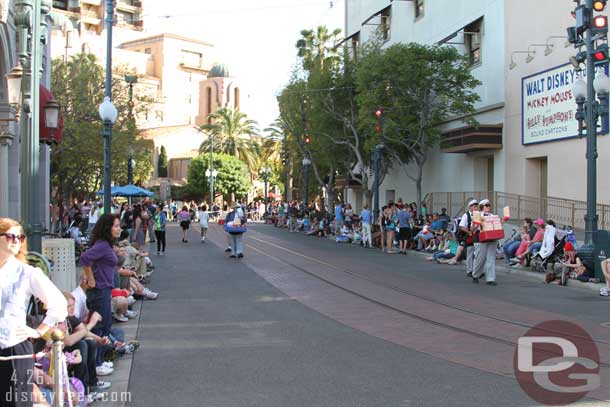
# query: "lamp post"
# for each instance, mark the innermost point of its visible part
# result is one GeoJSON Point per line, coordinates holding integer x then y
{"type": "Point", "coordinates": [211, 174]}
{"type": "Point", "coordinates": [131, 164]}
{"type": "Point", "coordinates": [108, 114]}
{"type": "Point", "coordinates": [377, 169]}
{"type": "Point", "coordinates": [306, 163]}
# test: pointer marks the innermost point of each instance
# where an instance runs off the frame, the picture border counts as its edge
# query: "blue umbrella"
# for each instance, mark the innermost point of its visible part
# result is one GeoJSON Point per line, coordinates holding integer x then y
{"type": "Point", "coordinates": [131, 190]}
{"type": "Point", "coordinates": [114, 191]}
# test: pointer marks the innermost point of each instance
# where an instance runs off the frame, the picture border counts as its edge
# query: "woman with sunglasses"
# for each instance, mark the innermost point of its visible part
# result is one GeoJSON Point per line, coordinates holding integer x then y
{"type": "Point", "coordinates": [99, 264]}
{"type": "Point", "coordinates": [18, 282]}
{"type": "Point", "coordinates": [484, 252]}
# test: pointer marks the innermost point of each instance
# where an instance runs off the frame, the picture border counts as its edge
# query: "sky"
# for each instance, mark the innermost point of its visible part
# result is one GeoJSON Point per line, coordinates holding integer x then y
{"type": "Point", "coordinates": [254, 38]}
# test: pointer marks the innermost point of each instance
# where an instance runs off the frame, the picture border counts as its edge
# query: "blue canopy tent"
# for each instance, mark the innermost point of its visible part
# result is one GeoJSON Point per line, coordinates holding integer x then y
{"type": "Point", "coordinates": [128, 191]}
{"type": "Point", "coordinates": [114, 191]}
{"type": "Point", "coordinates": [131, 190]}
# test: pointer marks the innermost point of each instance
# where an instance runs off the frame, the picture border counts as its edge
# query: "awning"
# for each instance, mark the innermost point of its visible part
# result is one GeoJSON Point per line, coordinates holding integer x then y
{"type": "Point", "coordinates": [46, 136]}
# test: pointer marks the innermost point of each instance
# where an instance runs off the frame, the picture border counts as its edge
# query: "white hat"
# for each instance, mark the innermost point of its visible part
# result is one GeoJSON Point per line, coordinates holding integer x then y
{"type": "Point", "coordinates": [473, 202]}
{"type": "Point", "coordinates": [484, 202]}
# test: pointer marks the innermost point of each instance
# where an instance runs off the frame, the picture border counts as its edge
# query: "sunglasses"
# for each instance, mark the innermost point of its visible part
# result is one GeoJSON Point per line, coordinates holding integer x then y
{"type": "Point", "coordinates": [14, 238]}
{"type": "Point", "coordinates": [487, 206]}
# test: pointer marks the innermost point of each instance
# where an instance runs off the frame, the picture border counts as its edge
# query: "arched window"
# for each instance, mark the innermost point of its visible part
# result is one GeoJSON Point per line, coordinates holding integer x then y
{"type": "Point", "coordinates": [209, 104]}
{"type": "Point", "coordinates": [236, 101]}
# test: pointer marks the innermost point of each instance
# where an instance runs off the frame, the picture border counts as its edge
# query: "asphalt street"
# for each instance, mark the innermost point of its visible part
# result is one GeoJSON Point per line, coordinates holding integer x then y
{"type": "Point", "coordinates": [258, 332]}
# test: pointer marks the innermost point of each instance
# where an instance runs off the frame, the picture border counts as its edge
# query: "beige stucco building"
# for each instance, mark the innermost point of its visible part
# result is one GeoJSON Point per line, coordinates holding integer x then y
{"type": "Point", "coordinates": [523, 145]}
{"type": "Point", "coordinates": [178, 73]}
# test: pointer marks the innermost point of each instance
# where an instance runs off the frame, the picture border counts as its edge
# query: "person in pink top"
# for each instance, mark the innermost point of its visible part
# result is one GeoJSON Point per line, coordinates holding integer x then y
{"type": "Point", "coordinates": [533, 245]}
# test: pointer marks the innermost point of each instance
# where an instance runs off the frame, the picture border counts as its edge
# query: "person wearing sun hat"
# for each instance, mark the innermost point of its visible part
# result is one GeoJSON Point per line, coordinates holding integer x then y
{"type": "Point", "coordinates": [466, 235]}
{"type": "Point", "coordinates": [484, 252]}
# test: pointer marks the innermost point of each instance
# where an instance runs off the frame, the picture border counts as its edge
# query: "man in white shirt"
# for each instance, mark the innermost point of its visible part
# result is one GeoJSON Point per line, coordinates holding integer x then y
{"type": "Point", "coordinates": [466, 240]}
{"type": "Point", "coordinates": [204, 217]}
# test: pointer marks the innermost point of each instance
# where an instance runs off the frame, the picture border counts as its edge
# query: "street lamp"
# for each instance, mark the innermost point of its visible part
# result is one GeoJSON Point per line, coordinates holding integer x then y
{"type": "Point", "coordinates": [306, 163]}
{"type": "Point", "coordinates": [211, 174]}
{"type": "Point", "coordinates": [51, 116]}
{"type": "Point", "coordinates": [108, 114]}
{"type": "Point", "coordinates": [377, 170]}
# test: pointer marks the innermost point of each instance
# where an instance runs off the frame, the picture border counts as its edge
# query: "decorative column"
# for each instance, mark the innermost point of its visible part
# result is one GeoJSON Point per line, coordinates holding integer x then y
{"type": "Point", "coordinates": [6, 140]}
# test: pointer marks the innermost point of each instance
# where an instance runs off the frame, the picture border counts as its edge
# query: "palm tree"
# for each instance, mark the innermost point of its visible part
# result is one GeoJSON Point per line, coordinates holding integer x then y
{"type": "Point", "coordinates": [318, 49]}
{"type": "Point", "coordinates": [232, 133]}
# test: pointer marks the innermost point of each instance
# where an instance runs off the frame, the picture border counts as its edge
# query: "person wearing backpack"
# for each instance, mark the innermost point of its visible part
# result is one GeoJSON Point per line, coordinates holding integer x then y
{"type": "Point", "coordinates": [466, 236]}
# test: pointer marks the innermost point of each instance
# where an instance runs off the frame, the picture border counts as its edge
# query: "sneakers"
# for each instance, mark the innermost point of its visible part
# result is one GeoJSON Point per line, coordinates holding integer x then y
{"type": "Point", "coordinates": [603, 291]}
{"type": "Point", "coordinates": [101, 385]}
{"type": "Point", "coordinates": [103, 370]}
{"type": "Point", "coordinates": [131, 300]}
{"type": "Point", "coordinates": [203, 240]}
{"type": "Point", "coordinates": [108, 364]}
{"type": "Point", "coordinates": [240, 255]}
{"type": "Point", "coordinates": [228, 249]}
{"type": "Point", "coordinates": [120, 317]}
{"type": "Point", "coordinates": [131, 314]}
{"type": "Point", "coordinates": [94, 396]}
{"type": "Point", "coordinates": [151, 295]}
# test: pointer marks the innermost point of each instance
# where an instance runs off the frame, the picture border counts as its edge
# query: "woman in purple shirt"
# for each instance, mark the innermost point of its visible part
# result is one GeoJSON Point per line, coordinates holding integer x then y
{"type": "Point", "coordinates": [99, 264]}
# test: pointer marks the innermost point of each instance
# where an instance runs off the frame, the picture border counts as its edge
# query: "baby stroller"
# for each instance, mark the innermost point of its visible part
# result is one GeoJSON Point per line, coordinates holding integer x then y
{"type": "Point", "coordinates": [541, 260]}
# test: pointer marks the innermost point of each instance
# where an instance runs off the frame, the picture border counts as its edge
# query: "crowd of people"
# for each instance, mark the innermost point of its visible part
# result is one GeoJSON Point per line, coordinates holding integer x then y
{"type": "Point", "coordinates": [116, 269]}
{"type": "Point", "coordinates": [402, 227]}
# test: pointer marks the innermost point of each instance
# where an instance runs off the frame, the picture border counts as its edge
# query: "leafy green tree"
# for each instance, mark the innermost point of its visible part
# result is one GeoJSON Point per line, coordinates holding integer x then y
{"type": "Point", "coordinates": [233, 177]}
{"type": "Point", "coordinates": [418, 87]}
{"type": "Point", "coordinates": [232, 133]}
{"type": "Point", "coordinates": [162, 164]}
{"type": "Point", "coordinates": [77, 164]}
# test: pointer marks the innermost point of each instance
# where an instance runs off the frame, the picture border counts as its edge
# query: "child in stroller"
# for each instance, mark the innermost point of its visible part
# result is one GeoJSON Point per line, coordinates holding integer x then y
{"type": "Point", "coordinates": [552, 248]}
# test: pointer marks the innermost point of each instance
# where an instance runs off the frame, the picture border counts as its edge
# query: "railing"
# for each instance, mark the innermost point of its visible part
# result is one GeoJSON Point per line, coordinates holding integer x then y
{"type": "Point", "coordinates": [563, 211]}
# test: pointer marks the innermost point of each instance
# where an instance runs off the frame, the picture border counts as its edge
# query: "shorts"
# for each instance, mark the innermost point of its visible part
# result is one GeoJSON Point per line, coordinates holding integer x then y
{"type": "Point", "coordinates": [185, 224]}
{"type": "Point", "coordinates": [404, 234]}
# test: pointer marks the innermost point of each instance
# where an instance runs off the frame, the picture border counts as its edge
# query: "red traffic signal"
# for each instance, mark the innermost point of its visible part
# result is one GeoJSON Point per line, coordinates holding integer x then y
{"type": "Point", "coordinates": [378, 129]}
{"type": "Point", "coordinates": [307, 140]}
{"type": "Point", "coordinates": [599, 5]}
{"type": "Point", "coordinates": [378, 113]}
{"type": "Point", "coordinates": [600, 22]}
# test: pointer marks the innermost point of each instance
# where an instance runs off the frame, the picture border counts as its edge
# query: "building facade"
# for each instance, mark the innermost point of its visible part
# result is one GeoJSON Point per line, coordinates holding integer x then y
{"type": "Point", "coordinates": [508, 43]}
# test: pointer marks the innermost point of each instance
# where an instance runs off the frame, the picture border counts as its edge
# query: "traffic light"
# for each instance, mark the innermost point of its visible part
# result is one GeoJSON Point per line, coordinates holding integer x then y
{"type": "Point", "coordinates": [378, 115]}
{"type": "Point", "coordinates": [307, 139]}
{"type": "Point", "coordinates": [600, 25]}
{"type": "Point", "coordinates": [599, 5]}
{"type": "Point", "coordinates": [600, 55]}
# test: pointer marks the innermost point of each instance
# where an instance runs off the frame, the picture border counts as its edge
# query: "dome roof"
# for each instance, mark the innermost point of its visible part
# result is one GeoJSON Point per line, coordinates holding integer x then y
{"type": "Point", "coordinates": [219, 71]}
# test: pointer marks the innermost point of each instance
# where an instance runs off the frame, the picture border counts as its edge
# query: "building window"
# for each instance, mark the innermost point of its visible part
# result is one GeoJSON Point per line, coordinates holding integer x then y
{"type": "Point", "coordinates": [60, 4]}
{"type": "Point", "coordinates": [236, 99]}
{"type": "Point", "coordinates": [419, 8]}
{"type": "Point", "coordinates": [148, 51]}
{"type": "Point", "coordinates": [472, 41]}
{"type": "Point", "coordinates": [190, 58]}
{"type": "Point", "coordinates": [385, 23]}
{"type": "Point", "coordinates": [124, 17]}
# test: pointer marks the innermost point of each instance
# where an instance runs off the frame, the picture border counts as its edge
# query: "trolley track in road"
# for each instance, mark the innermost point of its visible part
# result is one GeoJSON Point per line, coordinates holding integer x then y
{"type": "Point", "coordinates": [395, 288]}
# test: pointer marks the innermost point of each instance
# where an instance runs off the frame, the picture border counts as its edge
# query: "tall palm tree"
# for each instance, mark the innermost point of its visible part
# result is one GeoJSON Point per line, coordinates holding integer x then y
{"type": "Point", "coordinates": [232, 133]}
{"type": "Point", "coordinates": [318, 48]}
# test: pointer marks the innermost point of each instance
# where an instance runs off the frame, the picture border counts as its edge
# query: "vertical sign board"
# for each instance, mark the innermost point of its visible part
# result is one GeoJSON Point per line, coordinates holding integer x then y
{"type": "Point", "coordinates": [548, 105]}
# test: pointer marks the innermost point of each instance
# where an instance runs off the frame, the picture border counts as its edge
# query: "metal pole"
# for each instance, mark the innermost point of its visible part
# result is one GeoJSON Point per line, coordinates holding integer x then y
{"type": "Point", "coordinates": [376, 162]}
{"type": "Point", "coordinates": [212, 169]}
{"type": "Point", "coordinates": [266, 178]}
{"type": "Point", "coordinates": [591, 155]}
{"type": "Point", "coordinates": [306, 200]}
{"type": "Point", "coordinates": [130, 169]}
{"type": "Point", "coordinates": [57, 353]}
{"type": "Point", "coordinates": [107, 124]}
